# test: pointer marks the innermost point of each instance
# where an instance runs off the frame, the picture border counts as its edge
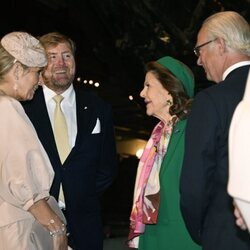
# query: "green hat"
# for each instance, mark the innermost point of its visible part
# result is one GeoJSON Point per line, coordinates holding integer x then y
{"type": "Point", "coordinates": [180, 71]}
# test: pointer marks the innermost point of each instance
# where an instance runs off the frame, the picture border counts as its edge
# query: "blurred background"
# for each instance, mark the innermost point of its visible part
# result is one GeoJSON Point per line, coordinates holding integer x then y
{"type": "Point", "coordinates": [114, 39]}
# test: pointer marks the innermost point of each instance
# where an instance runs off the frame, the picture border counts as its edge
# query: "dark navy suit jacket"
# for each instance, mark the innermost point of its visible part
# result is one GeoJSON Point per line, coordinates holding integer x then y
{"type": "Point", "coordinates": [206, 206]}
{"type": "Point", "coordinates": [89, 168]}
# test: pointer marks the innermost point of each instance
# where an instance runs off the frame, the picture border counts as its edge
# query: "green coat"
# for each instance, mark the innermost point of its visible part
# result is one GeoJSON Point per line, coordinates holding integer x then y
{"type": "Point", "coordinates": [170, 232]}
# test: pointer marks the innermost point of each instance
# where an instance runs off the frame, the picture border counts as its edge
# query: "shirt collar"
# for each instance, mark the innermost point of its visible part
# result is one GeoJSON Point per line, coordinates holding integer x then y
{"type": "Point", "coordinates": [68, 94]}
{"type": "Point", "coordinates": [234, 66]}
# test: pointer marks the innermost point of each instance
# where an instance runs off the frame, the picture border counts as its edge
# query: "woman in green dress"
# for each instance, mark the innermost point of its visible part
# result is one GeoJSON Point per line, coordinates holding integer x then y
{"type": "Point", "coordinates": [156, 220]}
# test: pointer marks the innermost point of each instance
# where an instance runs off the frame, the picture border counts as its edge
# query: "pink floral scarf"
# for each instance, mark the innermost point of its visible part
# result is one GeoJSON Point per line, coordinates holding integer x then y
{"type": "Point", "coordinates": [147, 186]}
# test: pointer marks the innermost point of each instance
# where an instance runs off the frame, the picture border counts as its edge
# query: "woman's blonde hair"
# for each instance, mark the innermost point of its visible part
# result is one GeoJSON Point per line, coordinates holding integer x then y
{"type": "Point", "coordinates": [7, 61]}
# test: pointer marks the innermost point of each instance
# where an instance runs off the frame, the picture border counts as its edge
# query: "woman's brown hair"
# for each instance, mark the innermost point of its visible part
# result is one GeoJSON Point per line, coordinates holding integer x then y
{"type": "Point", "coordinates": [181, 101]}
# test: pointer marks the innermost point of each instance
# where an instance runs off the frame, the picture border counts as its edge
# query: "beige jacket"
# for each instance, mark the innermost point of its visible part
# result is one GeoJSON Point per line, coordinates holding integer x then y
{"type": "Point", "coordinates": [239, 156]}
{"type": "Point", "coordinates": [25, 170]}
{"type": "Point", "coordinates": [239, 149]}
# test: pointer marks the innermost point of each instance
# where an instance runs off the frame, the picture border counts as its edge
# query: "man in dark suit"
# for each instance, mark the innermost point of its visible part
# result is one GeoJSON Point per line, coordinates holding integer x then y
{"type": "Point", "coordinates": [223, 51]}
{"type": "Point", "coordinates": [89, 165]}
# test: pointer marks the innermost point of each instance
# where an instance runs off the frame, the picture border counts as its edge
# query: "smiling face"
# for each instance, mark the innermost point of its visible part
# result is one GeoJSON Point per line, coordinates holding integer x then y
{"type": "Point", "coordinates": [60, 71]}
{"type": "Point", "coordinates": [156, 97]}
{"type": "Point", "coordinates": [27, 84]}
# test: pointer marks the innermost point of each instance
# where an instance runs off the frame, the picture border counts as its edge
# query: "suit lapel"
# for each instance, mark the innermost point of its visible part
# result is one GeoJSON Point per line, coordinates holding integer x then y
{"type": "Point", "coordinates": [86, 116]}
{"type": "Point", "coordinates": [86, 119]}
{"type": "Point", "coordinates": [40, 119]}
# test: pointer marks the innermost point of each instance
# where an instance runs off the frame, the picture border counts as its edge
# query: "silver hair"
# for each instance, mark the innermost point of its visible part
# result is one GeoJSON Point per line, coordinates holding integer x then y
{"type": "Point", "coordinates": [232, 28]}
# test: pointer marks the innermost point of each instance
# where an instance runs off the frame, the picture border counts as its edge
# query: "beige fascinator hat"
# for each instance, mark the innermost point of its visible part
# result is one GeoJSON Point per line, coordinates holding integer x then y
{"type": "Point", "coordinates": [25, 48]}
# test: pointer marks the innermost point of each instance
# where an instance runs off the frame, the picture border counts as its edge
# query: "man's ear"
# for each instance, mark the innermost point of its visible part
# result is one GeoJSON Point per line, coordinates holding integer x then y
{"type": "Point", "coordinates": [222, 45]}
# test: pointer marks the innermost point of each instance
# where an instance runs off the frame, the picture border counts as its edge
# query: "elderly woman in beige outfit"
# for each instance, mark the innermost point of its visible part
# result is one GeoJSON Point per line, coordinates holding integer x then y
{"type": "Point", "coordinates": [27, 221]}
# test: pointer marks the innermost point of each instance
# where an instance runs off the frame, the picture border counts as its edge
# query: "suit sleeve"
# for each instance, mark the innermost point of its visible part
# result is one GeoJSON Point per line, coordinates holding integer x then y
{"type": "Point", "coordinates": [199, 163]}
{"type": "Point", "coordinates": [108, 161]}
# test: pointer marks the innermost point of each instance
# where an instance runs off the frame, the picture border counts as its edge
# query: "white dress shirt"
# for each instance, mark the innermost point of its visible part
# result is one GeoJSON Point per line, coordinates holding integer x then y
{"type": "Point", "coordinates": [68, 106]}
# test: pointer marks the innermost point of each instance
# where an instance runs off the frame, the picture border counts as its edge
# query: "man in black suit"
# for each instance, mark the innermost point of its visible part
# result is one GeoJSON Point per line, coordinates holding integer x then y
{"type": "Point", "coordinates": [90, 162]}
{"type": "Point", "coordinates": [223, 49]}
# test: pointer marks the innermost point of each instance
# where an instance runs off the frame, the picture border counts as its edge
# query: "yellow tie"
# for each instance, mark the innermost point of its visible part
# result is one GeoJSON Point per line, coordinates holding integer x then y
{"type": "Point", "coordinates": [61, 130]}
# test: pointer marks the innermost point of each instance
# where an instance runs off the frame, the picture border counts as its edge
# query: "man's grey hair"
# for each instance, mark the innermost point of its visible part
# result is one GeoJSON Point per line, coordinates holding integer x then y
{"type": "Point", "coordinates": [232, 28]}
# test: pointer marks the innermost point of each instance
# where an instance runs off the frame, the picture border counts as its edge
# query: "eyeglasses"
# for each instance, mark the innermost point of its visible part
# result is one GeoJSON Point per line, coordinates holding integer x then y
{"type": "Point", "coordinates": [197, 48]}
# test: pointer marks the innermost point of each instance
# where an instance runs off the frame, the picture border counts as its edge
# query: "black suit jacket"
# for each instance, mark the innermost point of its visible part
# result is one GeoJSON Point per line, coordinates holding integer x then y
{"type": "Point", "coordinates": [89, 168]}
{"type": "Point", "coordinates": [206, 206]}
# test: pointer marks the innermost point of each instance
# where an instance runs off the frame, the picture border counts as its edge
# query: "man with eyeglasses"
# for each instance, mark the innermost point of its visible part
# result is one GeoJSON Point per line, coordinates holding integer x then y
{"type": "Point", "coordinates": [223, 50]}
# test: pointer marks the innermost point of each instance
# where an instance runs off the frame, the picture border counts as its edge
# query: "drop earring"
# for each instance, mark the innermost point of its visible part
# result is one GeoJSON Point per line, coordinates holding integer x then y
{"type": "Point", "coordinates": [169, 102]}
